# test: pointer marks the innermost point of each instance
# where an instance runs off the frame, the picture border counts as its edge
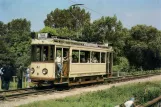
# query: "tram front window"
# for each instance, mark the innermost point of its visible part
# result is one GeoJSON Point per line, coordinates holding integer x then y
{"type": "Point", "coordinates": [41, 53]}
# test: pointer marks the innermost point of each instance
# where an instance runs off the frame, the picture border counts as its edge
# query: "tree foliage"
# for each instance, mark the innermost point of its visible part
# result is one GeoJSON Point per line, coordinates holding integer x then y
{"type": "Point", "coordinates": [73, 18]}
{"type": "Point", "coordinates": [142, 48]}
{"type": "Point", "coordinates": [17, 42]}
{"type": "Point", "coordinates": [6, 57]}
{"type": "Point", "coordinates": [3, 29]}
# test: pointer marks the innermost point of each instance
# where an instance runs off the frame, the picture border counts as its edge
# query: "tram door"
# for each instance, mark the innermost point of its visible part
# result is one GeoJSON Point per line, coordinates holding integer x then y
{"type": "Point", "coordinates": [109, 63]}
{"type": "Point", "coordinates": [64, 53]}
{"type": "Point", "coordinates": [65, 62]}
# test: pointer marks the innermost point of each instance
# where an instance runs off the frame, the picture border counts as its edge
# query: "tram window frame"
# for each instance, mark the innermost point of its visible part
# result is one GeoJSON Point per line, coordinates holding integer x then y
{"type": "Point", "coordinates": [104, 58]}
{"type": "Point", "coordinates": [38, 53]}
{"type": "Point", "coordinates": [33, 53]}
{"type": "Point", "coordinates": [37, 50]}
{"type": "Point", "coordinates": [51, 53]}
{"type": "Point", "coordinates": [86, 56]}
{"type": "Point", "coordinates": [78, 58]}
{"type": "Point", "coordinates": [46, 53]}
{"type": "Point", "coordinates": [94, 58]}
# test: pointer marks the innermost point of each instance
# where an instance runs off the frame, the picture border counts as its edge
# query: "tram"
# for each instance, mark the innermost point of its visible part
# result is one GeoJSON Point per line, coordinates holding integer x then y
{"type": "Point", "coordinates": [82, 62]}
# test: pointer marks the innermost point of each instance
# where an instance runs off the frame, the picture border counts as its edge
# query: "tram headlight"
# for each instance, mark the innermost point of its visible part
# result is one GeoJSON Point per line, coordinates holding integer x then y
{"type": "Point", "coordinates": [44, 71]}
{"type": "Point", "coordinates": [32, 70]}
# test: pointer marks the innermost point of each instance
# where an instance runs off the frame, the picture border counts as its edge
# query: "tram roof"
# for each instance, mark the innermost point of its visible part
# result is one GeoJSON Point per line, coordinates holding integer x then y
{"type": "Point", "coordinates": [66, 42]}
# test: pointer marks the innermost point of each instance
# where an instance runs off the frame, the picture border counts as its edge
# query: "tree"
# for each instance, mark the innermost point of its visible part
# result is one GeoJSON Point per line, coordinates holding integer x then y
{"type": "Point", "coordinates": [6, 57]}
{"type": "Point", "coordinates": [87, 33]}
{"type": "Point", "coordinates": [73, 18]}
{"type": "Point", "coordinates": [142, 49]}
{"type": "Point", "coordinates": [3, 29]}
{"type": "Point", "coordinates": [18, 41]}
{"type": "Point", "coordinates": [19, 26]}
{"type": "Point", "coordinates": [143, 33]}
{"type": "Point", "coordinates": [110, 30]}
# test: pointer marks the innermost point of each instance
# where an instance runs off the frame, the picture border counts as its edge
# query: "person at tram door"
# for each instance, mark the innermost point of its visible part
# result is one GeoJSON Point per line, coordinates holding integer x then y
{"type": "Point", "coordinates": [59, 64]}
{"type": "Point", "coordinates": [66, 58]}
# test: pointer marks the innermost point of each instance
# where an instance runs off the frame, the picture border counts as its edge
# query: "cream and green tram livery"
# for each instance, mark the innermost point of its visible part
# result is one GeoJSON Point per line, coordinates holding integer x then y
{"type": "Point", "coordinates": [81, 62]}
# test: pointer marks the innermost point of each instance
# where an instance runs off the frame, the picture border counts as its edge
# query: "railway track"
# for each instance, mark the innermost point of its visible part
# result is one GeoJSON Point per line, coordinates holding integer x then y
{"type": "Point", "coordinates": [19, 93]}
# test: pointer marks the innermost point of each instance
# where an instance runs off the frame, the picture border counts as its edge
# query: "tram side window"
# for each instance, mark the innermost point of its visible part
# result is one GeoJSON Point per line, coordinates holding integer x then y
{"type": "Point", "coordinates": [45, 53]}
{"type": "Point", "coordinates": [75, 56]}
{"type": "Point", "coordinates": [102, 57]}
{"type": "Point", "coordinates": [33, 53]}
{"type": "Point", "coordinates": [38, 53]}
{"type": "Point", "coordinates": [84, 57]}
{"type": "Point", "coordinates": [52, 49]}
{"type": "Point", "coordinates": [95, 57]}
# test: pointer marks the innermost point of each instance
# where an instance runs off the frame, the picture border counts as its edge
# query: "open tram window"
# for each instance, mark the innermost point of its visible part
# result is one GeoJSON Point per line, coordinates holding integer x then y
{"type": "Point", "coordinates": [84, 57]}
{"type": "Point", "coordinates": [45, 53]}
{"type": "Point", "coordinates": [65, 54]}
{"type": "Point", "coordinates": [34, 53]}
{"type": "Point", "coordinates": [95, 57]}
{"type": "Point", "coordinates": [38, 53]}
{"type": "Point", "coordinates": [75, 56]}
{"type": "Point", "coordinates": [42, 53]}
{"type": "Point", "coordinates": [51, 50]}
{"type": "Point", "coordinates": [102, 57]}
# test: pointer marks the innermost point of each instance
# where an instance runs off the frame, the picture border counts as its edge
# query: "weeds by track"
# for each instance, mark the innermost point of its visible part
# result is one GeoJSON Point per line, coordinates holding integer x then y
{"type": "Point", "coordinates": [19, 93]}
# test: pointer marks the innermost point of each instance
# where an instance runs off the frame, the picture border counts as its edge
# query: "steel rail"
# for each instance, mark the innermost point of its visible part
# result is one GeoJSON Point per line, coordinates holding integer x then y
{"type": "Point", "coordinates": [153, 102]}
{"type": "Point", "coordinates": [36, 91]}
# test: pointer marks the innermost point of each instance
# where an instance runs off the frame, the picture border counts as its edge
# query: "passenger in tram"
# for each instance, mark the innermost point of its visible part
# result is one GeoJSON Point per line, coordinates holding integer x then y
{"type": "Point", "coordinates": [88, 60]}
{"type": "Point", "coordinates": [44, 55]}
{"type": "Point", "coordinates": [59, 64]}
{"type": "Point", "coordinates": [94, 60]}
{"type": "Point", "coordinates": [74, 59]}
{"type": "Point", "coordinates": [83, 59]}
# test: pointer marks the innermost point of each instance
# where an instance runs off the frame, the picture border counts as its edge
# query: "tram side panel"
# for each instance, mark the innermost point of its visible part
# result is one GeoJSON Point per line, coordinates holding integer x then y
{"type": "Point", "coordinates": [87, 69]}
{"type": "Point", "coordinates": [42, 71]}
{"type": "Point", "coordinates": [80, 69]}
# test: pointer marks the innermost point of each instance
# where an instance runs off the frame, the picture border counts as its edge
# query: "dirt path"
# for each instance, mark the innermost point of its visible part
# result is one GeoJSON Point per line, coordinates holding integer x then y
{"type": "Point", "coordinates": [72, 92]}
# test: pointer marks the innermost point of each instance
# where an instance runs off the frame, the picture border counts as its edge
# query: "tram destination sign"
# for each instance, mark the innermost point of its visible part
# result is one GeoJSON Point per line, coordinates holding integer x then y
{"type": "Point", "coordinates": [42, 35]}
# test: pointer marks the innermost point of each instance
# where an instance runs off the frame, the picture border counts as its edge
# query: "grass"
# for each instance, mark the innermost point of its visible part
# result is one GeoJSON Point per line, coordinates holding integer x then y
{"type": "Point", "coordinates": [13, 85]}
{"type": "Point", "coordinates": [143, 92]}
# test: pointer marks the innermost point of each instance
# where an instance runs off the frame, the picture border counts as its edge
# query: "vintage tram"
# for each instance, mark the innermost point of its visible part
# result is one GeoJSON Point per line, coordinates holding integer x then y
{"type": "Point", "coordinates": [82, 62]}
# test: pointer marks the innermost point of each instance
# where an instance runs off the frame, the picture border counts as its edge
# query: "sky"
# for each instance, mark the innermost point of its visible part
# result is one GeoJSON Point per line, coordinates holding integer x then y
{"type": "Point", "coordinates": [130, 12]}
